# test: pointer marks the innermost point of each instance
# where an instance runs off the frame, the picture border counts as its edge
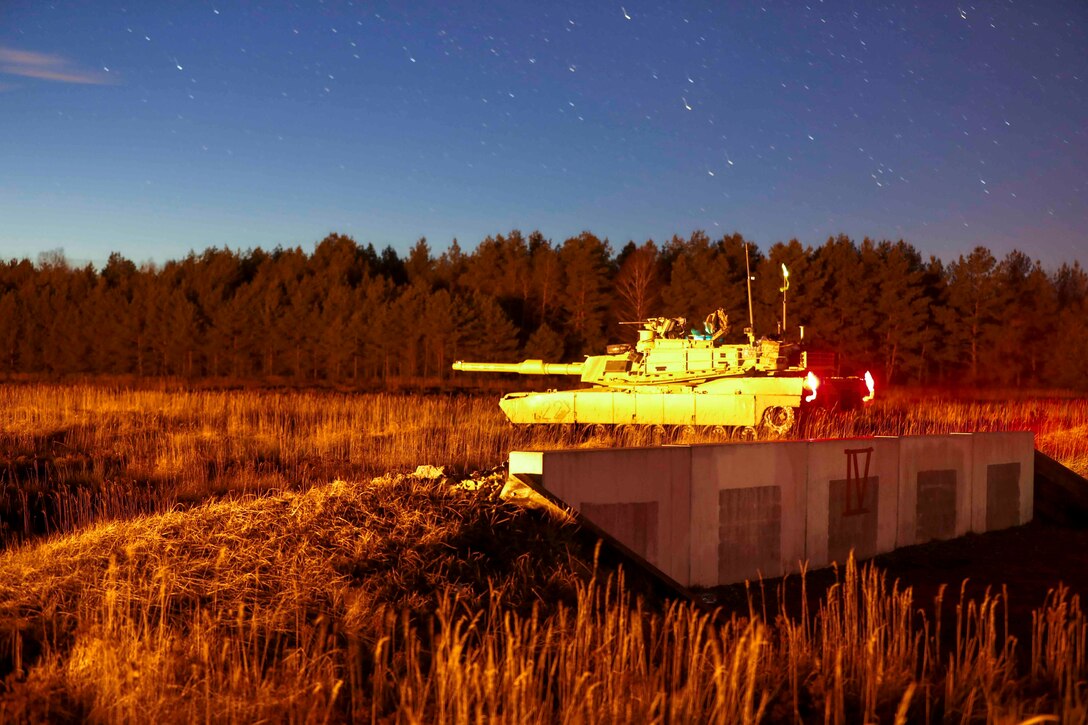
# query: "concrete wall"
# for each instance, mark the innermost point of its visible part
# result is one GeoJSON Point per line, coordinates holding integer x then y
{"type": "Point", "coordinates": [706, 515]}
{"type": "Point", "coordinates": [1002, 479]}
{"type": "Point", "coordinates": [935, 483]}
{"type": "Point", "coordinates": [639, 496]}
{"type": "Point", "coordinates": [747, 510]}
{"type": "Point", "coordinates": [853, 498]}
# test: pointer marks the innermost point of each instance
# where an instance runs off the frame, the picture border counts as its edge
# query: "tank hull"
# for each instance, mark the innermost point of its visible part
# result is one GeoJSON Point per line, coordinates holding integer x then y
{"type": "Point", "coordinates": [741, 401]}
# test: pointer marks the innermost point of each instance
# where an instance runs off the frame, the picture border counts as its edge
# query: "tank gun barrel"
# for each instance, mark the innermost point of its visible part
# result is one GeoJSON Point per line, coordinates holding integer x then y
{"type": "Point", "coordinates": [528, 367]}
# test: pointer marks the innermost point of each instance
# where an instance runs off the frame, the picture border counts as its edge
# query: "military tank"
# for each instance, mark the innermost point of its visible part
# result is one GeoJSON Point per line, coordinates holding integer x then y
{"type": "Point", "coordinates": [672, 377]}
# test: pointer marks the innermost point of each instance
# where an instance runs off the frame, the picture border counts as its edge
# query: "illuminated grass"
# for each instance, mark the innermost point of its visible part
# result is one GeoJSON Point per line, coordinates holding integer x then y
{"type": "Point", "coordinates": [417, 601]}
{"type": "Point", "coordinates": [271, 593]}
{"type": "Point", "coordinates": [71, 455]}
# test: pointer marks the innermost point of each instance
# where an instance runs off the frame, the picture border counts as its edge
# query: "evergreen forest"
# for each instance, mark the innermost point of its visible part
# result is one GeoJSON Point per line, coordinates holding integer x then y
{"type": "Point", "coordinates": [347, 314]}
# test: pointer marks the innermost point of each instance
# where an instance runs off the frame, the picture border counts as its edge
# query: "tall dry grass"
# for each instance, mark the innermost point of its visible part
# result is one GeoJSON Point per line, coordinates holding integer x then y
{"type": "Point", "coordinates": [73, 455]}
{"type": "Point", "coordinates": [415, 601]}
{"type": "Point", "coordinates": [210, 572]}
{"type": "Point", "coordinates": [70, 455]}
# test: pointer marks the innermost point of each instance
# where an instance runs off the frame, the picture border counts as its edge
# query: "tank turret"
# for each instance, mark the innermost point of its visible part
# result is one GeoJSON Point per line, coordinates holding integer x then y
{"type": "Point", "coordinates": [664, 354]}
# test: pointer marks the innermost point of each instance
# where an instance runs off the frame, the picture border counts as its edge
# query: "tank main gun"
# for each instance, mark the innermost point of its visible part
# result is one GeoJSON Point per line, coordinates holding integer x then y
{"type": "Point", "coordinates": [527, 367]}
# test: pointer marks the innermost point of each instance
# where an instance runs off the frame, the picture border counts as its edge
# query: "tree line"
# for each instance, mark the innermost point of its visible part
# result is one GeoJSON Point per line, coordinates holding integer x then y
{"type": "Point", "coordinates": [348, 314]}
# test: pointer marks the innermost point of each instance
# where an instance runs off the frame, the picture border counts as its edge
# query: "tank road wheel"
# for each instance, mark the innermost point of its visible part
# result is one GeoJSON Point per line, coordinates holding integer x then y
{"type": "Point", "coordinates": [744, 433]}
{"type": "Point", "coordinates": [629, 435]}
{"type": "Point", "coordinates": [569, 433]}
{"type": "Point", "coordinates": [778, 420]}
{"type": "Point", "coordinates": [658, 435]}
{"type": "Point", "coordinates": [719, 432]}
{"type": "Point", "coordinates": [686, 433]}
{"type": "Point", "coordinates": [600, 432]}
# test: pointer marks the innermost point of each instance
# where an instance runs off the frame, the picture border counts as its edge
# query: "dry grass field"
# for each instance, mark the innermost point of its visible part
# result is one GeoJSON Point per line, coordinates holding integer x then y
{"type": "Point", "coordinates": [239, 556]}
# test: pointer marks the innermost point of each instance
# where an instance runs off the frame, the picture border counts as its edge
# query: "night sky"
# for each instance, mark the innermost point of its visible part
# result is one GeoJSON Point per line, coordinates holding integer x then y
{"type": "Point", "coordinates": [156, 128]}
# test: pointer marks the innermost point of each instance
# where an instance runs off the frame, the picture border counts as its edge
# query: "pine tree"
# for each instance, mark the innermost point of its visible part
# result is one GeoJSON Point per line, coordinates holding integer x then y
{"type": "Point", "coordinates": [1067, 363]}
{"type": "Point", "coordinates": [545, 344]}
{"type": "Point", "coordinates": [704, 277]}
{"type": "Point", "coordinates": [115, 318]}
{"type": "Point", "coordinates": [845, 321]}
{"type": "Point", "coordinates": [374, 330]}
{"type": "Point", "coordinates": [1027, 305]}
{"type": "Point", "coordinates": [439, 336]}
{"type": "Point", "coordinates": [486, 333]}
{"type": "Point", "coordinates": [420, 267]}
{"type": "Point", "coordinates": [408, 310]}
{"type": "Point", "coordinates": [902, 309]}
{"type": "Point", "coordinates": [970, 318]}
{"type": "Point", "coordinates": [9, 330]}
{"type": "Point", "coordinates": [450, 267]}
{"type": "Point", "coordinates": [333, 337]}
{"type": "Point", "coordinates": [586, 266]}
{"type": "Point", "coordinates": [501, 267]}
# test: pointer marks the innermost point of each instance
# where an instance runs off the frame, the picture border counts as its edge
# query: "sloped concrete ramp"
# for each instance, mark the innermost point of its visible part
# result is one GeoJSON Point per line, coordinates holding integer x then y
{"type": "Point", "coordinates": [710, 515]}
{"type": "Point", "coordinates": [1061, 495]}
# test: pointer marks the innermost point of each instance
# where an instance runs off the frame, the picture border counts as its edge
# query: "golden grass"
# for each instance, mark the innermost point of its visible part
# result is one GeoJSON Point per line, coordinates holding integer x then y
{"type": "Point", "coordinates": [273, 594]}
{"type": "Point", "coordinates": [77, 454]}
{"type": "Point", "coordinates": [242, 610]}
{"type": "Point", "coordinates": [372, 601]}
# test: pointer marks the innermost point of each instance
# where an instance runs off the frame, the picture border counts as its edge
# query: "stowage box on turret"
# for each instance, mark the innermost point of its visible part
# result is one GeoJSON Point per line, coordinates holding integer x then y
{"type": "Point", "coordinates": [673, 378]}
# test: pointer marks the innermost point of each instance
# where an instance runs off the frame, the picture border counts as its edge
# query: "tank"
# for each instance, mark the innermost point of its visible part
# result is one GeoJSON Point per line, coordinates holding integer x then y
{"type": "Point", "coordinates": [671, 377]}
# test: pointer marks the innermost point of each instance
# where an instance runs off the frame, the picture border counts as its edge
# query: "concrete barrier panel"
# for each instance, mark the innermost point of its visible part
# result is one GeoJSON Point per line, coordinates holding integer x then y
{"type": "Point", "coordinates": [716, 514]}
{"type": "Point", "coordinates": [1002, 488]}
{"type": "Point", "coordinates": [747, 511]}
{"type": "Point", "coordinates": [641, 497]}
{"type": "Point", "coordinates": [935, 480]}
{"type": "Point", "coordinates": [853, 498]}
{"type": "Point", "coordinates": [526, 463]}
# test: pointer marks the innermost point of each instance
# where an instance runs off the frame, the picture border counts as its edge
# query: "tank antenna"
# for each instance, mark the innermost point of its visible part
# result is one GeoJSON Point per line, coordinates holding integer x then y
{"type": "Point", "coordinates": [785, 286]}
{"type": "Point", "coordinates": [748, 274]}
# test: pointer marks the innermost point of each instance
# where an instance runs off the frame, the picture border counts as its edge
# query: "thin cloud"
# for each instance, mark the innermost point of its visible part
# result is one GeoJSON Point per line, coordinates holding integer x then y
{"type": "Point", "coordinates": [48, 67]}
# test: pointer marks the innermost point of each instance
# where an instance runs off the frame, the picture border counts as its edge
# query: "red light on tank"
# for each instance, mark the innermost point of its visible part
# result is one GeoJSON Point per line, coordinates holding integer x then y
{"type": "Point", "coordinates": [811, 383]}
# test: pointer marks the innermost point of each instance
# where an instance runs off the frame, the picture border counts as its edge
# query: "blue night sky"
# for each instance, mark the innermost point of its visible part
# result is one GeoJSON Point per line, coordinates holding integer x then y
{"type": "Point", "coordinates": [157, 128]}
